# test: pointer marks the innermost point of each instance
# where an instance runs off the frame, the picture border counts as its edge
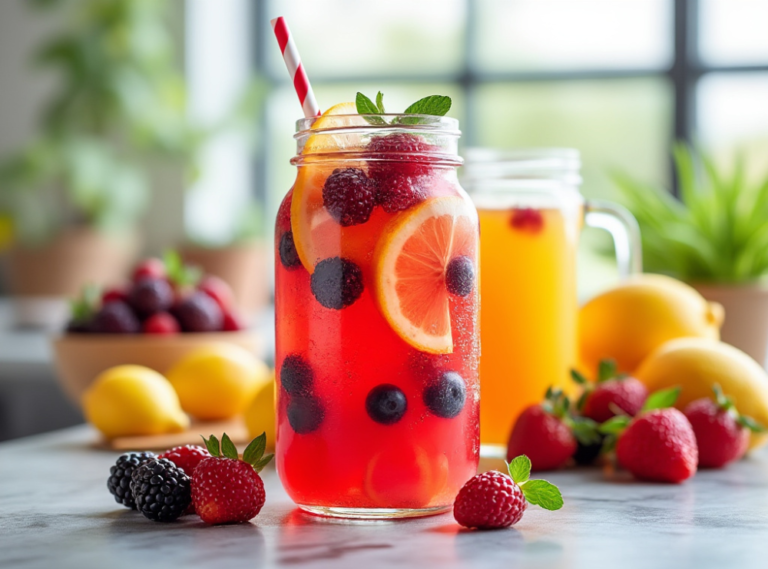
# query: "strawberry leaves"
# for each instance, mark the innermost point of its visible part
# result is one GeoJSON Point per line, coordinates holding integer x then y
{"type": "Point", "coordinates": [537, 492]}
{"type": "Point", "coordinates": [726, 404]}
{"type": "Point", "coordinates": [253, 454]}
{"type": "Point", "coordinates": [661, 399]}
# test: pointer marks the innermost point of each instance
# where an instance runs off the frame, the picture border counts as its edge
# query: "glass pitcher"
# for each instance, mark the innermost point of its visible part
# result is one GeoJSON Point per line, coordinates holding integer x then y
{"type": "Point", "coordinates": [531, 213]}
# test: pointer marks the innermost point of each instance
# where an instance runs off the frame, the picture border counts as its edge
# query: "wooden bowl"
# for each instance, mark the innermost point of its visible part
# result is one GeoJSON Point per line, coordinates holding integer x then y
{"type": "Point", "coordinates": [81, 357]}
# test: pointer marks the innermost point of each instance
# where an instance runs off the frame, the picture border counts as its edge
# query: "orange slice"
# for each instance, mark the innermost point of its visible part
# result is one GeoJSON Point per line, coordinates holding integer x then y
{"type": "Point", "coordinates": [343, 115]}
{"type": "Point", "coordinates": [410, 263]}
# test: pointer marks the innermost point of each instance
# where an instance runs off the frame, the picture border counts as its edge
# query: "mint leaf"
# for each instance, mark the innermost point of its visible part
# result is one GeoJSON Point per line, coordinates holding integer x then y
{"type": "Point", "coordinates": [212, 444]}
{"type": "Point", "coordinates": [84, 307]}
{"type": "Point", "coordinates": [435, 105]}
{"type": "Point", "coordinates": [543, 493]}
{"type": "Point", "coordinates": [380, 102]}
{"type": "Point", "coordinates": [520, 469]}
{"type": "Point", "coordinates": [178, 272]}
{"type": "Point", "coordinates": [255, 449]}
{"type": "Point", "coordinates": [606, 370]}
{"type": "Point", "coordinates": [579, 378]}
{"type": "Point", "coordinates": [260, 464]}
{"type": "Point", "coordinates": [661, 399]}
{"type": "Point", "coordinates": [228, 448]}
{"type": "Point", "coordinates": [366, 107]}
{"type": "Point", "coordinates": [614, 425]}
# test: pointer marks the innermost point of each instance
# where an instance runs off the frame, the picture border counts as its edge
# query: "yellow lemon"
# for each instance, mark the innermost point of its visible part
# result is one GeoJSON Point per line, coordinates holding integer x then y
{"type": "Point", "coordinates": [218, 381]}
{"type": "Point", "coordinates": [631, 320]}
{"type": "Point", "coordinates": [696, 364]}
{"type": "Point", "coordinates": [133, 400]}
{"type": "Point", "coordinates": [260, 415]}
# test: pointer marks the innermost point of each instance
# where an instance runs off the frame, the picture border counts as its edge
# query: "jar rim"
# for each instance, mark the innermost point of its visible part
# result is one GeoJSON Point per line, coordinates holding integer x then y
{"type": "Point", "coordinates": [351, 122]}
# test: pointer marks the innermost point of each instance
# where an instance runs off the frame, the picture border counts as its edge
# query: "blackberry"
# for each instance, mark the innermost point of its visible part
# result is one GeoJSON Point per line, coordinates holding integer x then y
{"type": "Point", "coordinates": [119, 481]}
{"type": "Point", "coordinates": [116, 317]}
{"type": "Point", "coordinates": [305, 414]}
{"type": "Point", "coordinates": [446, 396]}
{"type": "Point", "coordinates": [336, 283]}
{"type": "Point", "coordinates": [199, 313]}
{"type": "Point", "coordinates": [386, 404]}
{"type": "Point", "coordinates": [397, 192]}
{"type": "Point", "coordinates": [150, 295]}
{"type": "Point", "coordinates": [289, 257]}
{"type": "Point", "coordinates": [460, 276]}
{"type": "Point", "coordinates": [162, 490]}
{"type": "Point", "coordinates": [587, 454]}
{"type": "Point", "coordinates": [296, 375]}
{"type": "Point", "coordinates": [349, 196]}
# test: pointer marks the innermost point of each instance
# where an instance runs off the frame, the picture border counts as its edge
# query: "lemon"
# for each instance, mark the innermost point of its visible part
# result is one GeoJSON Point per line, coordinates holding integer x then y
{"type": "Point", "coordinates": [260, 415]}
{"type": "Point", "coordinates": [631, 320]}
{"type": "Point", "coordinates": [133, 400]}
{"type": "Point", "coordinates": [696, 364]}
{"type": "Point", "coordinates": [218, 381]}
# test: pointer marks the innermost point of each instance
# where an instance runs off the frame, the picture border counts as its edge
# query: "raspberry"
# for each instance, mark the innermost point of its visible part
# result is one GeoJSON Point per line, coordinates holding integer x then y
{"type": "Point", "coordinates": [119, 481]}
{"type": "Point", "coordinates": [199, 313]}
{"type": "Point", "coordinates": [397, 192]}
{"type": "Point", "coordinates": [161, 323]}
{"type": "Point", "coordinates": [349, 196]}
{"type": "Point", "coordinates": [115, 317]}
{"type": "Point", "coordinates": [527, 219]}
{"type": "Point", "coordinates": [337, 283]}
{"type": "Point", "coordinates": [296, 375]}
{"type": "Point", "coordinates": [289, 256]}
{"type": "Point", "coordinates": [218, 290]}
{"type": "Point", "coordinates": [117, 293]}
{"type": "Point", "coordinates": [460, 276]}
{"type": "Point", "coordinates": [150, 295]}
{"type": "Point", "coordinates": [394, 154]}
{"type": "Point", "coordinates": [446, 397]}
{"type": "Point", "coordinates": [149, 268]}
{"type": "Point", "coordinates": [186, 457]}
{"type": "Point", "coordinates": [226, 489]}
{"type": "Point", "coordinates": [161, 489]}
{"type": "Point", "coordinates": [489, 500]}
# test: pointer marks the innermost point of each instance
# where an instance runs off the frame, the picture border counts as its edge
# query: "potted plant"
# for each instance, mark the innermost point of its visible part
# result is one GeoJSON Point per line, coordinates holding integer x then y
{"type": "Point", "coordinates": [75, 193]}
{"type": "Point", "coordinates": [715, 237]}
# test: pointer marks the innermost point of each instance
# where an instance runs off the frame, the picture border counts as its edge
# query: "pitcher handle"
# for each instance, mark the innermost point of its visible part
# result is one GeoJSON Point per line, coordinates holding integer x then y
{"type": "Point", "coordinates": [622, 225]}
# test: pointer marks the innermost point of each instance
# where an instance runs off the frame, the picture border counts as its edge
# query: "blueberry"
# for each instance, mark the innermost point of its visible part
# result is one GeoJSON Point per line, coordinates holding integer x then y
{"type": "Point", "coordinates": [296, 375]}
{"type": "Point", "coordinates": [151, 295]}
{"type": "Point", "coordinates": [116, 317]}
{"type": "Point", "coordinates": [336, 282]}
{"type": "Point", "coordinates": [199, 313]}
{"type": "Point", "coordinates": [349, 196]}
{"type": "Point", "coordinates": [446, 396]}
{"type": "Point", "coordinates": [305, 414]}
{"type": "Point", "coordinates": [289, 257]}
{"type": "Point", "coordinates": [386, 404]}
{"type": "Point", "coordinates": [460, 276]}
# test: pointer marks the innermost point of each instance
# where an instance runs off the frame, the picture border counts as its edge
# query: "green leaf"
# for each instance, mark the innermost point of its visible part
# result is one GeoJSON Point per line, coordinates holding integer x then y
{"type": "Point", "coordinates": [661, 399]}
{"type": "Point", "coordinates": [520, 469]}
{"type": "Point", "coordinates": [585, 430]}
{"type": "Point", "coordinates": [380, 102]}
{"type": "Point", "coordinates": [255, 449]}
{"type": "Point", "coordinates": [228, 448]}
{"type": "Point", "coordinates": [579, 378]}
{"type": "Point", "coordinates": [751, 424]}
{"type": "Point", "coordinates": [614, 425]}
{"type": "Point", "coordinates": [212, 444]}
{"type": "Point", "coordinates": [260, 464]}
{"type": "Point", "coordinates": [606, 370]}
{"type": "Point", "coordinates": [543, 493]}
{"type": "Point", "coordinates": [435, 105]}
{"type": "Point", "coordinates": [367, 108]}
{"type": "Point", "coordinates": [609, 444]}
{"type": "Point", "coordinates": [179, 273]}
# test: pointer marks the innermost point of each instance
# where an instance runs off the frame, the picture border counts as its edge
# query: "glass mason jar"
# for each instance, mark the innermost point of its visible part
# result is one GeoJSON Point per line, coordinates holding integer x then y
{"type": "Point", "coordinates": [376, 319]}
{"type": "Point", "coordinates": [531, 213]}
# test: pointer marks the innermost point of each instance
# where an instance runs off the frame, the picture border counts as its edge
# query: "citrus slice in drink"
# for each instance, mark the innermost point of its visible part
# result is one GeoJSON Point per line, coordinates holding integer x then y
{"type": "Point", "coordinates": [410, 263]}
{"type": "Point", "coordinates": [316, 234]}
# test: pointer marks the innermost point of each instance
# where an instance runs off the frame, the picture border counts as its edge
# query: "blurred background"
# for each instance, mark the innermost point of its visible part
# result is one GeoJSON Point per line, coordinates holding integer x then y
{"type": "Point", "coordinates": [128, 127]}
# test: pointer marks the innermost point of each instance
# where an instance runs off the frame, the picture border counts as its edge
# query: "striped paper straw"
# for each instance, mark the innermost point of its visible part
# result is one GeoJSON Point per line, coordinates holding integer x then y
{"type": "Point", "coordinates": [295, 68]}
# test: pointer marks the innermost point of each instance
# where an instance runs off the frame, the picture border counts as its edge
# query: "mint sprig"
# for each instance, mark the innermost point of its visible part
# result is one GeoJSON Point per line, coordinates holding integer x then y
{"type": "Point", "coordinates": [434, 105]}
{"type": "Point", "coordinates": [537, 492]}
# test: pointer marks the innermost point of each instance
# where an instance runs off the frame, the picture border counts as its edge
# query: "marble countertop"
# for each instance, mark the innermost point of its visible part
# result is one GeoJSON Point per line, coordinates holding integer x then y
{"type": "Point", "coordinates": [55, 511]}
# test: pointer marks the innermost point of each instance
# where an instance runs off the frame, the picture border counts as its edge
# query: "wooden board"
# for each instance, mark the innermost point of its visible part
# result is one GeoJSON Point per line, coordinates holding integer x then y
{"type": "Point", "coordinates": [235, 428]}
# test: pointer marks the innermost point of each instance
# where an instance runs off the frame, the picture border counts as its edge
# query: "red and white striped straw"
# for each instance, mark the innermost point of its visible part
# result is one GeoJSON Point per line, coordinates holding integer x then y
{"type": "Point", "coordinates": [295, 68]}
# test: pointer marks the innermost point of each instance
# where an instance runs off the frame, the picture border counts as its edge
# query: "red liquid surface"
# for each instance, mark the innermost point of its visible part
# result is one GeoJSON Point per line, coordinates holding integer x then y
{"type": "Point", "coordinates": [352, 461]}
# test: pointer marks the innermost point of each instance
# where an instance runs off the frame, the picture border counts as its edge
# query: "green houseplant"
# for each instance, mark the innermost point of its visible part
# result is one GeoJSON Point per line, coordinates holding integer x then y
{"type": "Point", "coordinates": [715, 237]}
{"type": "Point", "coordinates": [75, 193]}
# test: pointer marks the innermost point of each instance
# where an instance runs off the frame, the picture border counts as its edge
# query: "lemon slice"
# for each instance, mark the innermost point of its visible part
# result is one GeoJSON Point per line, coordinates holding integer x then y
{"type": "Point", "coordinates": [410, 262]}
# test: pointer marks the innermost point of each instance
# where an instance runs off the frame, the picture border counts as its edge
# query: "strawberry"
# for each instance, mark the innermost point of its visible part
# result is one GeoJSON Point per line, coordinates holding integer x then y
{"type": "Point", "coordinates": [722, 434]}
{"type": "Point", "coordinates": [658, 444]}
{"type": "Point", "coordinates": [611, 395]}
{"type": "Point", "coordinates": [226, 489]}
{"type": "Point", "coordinates": [494, 500]}
{"type": "Point", "coordinates": [548, 434]}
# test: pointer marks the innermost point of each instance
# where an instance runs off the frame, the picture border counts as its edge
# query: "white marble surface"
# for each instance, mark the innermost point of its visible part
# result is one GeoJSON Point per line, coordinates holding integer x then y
{"type": "Point", "coordinates": [55, 511]}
